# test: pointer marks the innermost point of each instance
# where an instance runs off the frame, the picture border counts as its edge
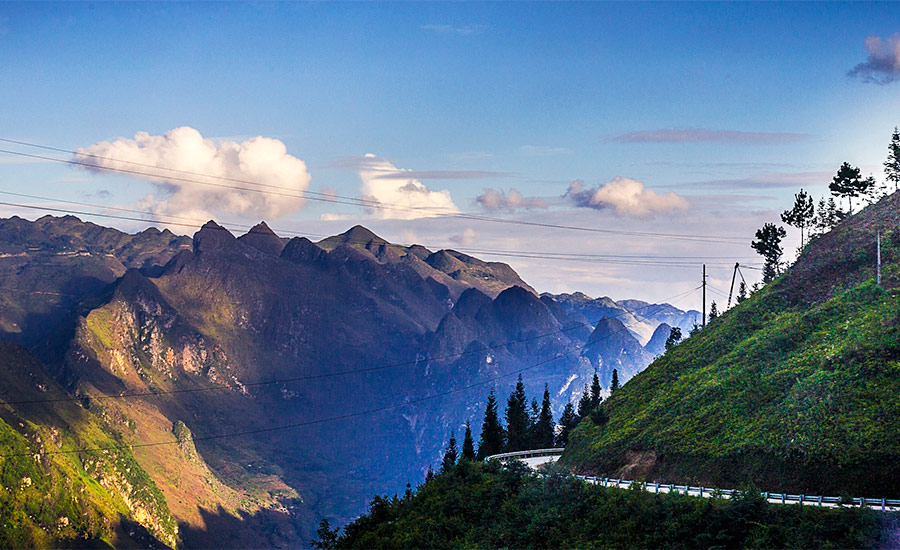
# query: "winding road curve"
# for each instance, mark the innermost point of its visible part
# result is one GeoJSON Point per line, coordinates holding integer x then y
{"type": "Point", "coordinates": [539, 457]}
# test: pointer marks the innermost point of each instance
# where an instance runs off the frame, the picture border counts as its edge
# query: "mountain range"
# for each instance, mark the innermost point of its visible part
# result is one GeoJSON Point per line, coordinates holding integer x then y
{"type": "Point", "coordinates": [250, 385]}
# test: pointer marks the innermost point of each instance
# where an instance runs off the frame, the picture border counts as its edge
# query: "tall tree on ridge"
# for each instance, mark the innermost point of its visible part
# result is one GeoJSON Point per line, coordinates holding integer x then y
{"type": "Point", "coordinates": [768, 245]}
{"type": "Point", "coordinates": [892, 164]}
{"type": "Point", "coordinates": [713, 310]}
{"type": "Point", "coordinates": [468, 446]}
{"type": "Point", "coordinates": [517, 419]}
{"type": "Point", "coordinates": [801, 215]}
{"type": "Point", "coordinates": [584, 404]}
{"type": "Point", "coordinates": [614, 384]}
{"type": "Point", "coordinates": [595, 392]}
{"type": "Point", "coordinates": [543, 428]}
{"type": "Point", "coordinates": [848, 183]}
{"type": "Point", "coordinates": [674, 338]}
{"type": "Point", "coordinates": [450, 455]}
{"type": "Point", "coordinates": [493, 438]}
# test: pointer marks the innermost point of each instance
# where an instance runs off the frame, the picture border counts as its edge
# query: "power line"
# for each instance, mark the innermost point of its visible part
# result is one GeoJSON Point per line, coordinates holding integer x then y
{"type": "Point", "coordinates": [664, 261]}
{"type": "Point", "coordinates": [337, 199]}
{"type": "Point", "coordinates": [676, 298]}
{"type": "Point", "coordinates": [323, 420]}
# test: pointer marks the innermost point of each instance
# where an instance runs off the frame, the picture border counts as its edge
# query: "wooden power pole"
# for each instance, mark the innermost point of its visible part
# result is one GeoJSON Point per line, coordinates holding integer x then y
{"type": "Point", "coordinates": [704, 295]}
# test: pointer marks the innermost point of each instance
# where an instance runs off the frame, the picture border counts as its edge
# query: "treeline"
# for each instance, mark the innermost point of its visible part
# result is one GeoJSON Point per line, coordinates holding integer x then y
{"type": "Point", "coordinates": [848, 183]}
{"type": "Point", "coordinates": [486, 505]}
{"type": "Point", "coordinates": [528, 426]}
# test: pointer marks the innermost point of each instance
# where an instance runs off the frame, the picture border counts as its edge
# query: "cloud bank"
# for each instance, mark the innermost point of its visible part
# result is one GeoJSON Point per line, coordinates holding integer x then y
{"type": "Point", "coordinates": [883, 64]}
{"type": "Point", "coordinates": [397, 194]}
{"type": "Point", "coordinates": [703, 135]}
{"type": "Point", "coordinates": [260, 160]}
{"type": "Point", "coordinates": [625, 196]}
{"type": "Point", "coordinates": [493, 200]}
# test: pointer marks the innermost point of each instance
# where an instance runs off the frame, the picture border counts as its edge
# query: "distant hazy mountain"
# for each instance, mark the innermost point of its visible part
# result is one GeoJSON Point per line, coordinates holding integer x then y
{"type": "Point", "coordinates": [641, 318]}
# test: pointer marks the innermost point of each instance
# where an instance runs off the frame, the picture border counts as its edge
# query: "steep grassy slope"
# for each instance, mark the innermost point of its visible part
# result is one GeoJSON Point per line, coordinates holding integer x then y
{"type": "Point", "coordinates": [50, 496]}
{"type": "Point", "coordinates": [795, 389]}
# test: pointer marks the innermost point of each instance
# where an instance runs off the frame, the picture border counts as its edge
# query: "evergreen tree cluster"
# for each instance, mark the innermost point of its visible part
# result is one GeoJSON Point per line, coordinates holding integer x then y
{"type": "Point", "coordinates": [528, 425]}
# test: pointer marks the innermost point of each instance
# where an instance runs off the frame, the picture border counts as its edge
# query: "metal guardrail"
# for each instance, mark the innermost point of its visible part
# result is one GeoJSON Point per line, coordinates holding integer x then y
{"type": "Point", "coordinates": [526, 454]}
{"type": "Point", "coordinates": [885, 504]}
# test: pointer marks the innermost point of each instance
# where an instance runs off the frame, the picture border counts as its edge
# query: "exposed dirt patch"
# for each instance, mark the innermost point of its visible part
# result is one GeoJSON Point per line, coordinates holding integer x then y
{"type": "Point", "coordinates": [638, 465]}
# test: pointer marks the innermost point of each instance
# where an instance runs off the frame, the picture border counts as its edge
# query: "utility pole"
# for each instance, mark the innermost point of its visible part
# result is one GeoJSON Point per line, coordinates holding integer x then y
{"type": "Point", "coordinates": [704, 295]}
{"type": "Point", "coordinates": [733, 275]}
{"type": "Point", "coordinates": [878, 270]}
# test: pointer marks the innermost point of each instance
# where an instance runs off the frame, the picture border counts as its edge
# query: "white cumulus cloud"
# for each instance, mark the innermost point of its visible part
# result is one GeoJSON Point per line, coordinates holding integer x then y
{"type": "Point", "coordinates": [497, 199]}
{"type": "Point", "coordinates": [259, 160]}
{"type": "Point", "coordinates": [395, 195]}
{"type": "Point", "coordinates": [626, 197]}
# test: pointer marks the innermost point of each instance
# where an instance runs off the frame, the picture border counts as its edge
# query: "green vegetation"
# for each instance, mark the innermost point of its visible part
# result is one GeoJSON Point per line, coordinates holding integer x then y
{"type": "Point", "coordinates": [794, 389]}
{"type": "Point", "coordinates": [477, 505]}
{"type": "Point", "coordinates": [51, 496]}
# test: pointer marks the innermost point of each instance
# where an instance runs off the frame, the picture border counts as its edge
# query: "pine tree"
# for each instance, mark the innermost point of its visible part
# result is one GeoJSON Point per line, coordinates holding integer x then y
{"type": "Point", "coordinates": [595, 392]}
{"type": "Point", "coordinates": [713, 310]}
{"type": "Point", "coordinates": [614, 384]}
{"type": "Point", "coordinates": [674, 338]}
{"type": "Point", "coordinates": [450, 455]}
{"type": "Point", "coordinates": [429, 475]}
{"type": "Point", "coordinates": [517, 420]}
{"type": "Point", "coordinates": [493, 438]}
{"type": "Point", "coordinates": [584, 404]}
{"type": "Point", "coordinates": [849, 183]}
{"type": "Point", "coordinates": [768, 245]}
{"type": "Point", "coordinates": [468, 446]}
{"type": "Point", "coordinates": [892, 164]}
{"type": "Point", "coordinates": [828, 215]}
{"type": "Point", "coordinates": [567, 422]}
{"type": "Point", "coordinates": [327, 536]}
{"type": "Point", "coordinates": [801, 215]}
{"type": "Point", "coordinates": [742, 292]}
{"type": "Point", "coordinates": [543, 427]}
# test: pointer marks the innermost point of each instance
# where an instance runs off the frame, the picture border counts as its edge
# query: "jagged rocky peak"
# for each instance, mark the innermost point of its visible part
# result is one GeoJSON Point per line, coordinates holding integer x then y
{"type": "Point", "coordinates": [516, 307]}
{"type": "Point", "coordinates": [355, 236]}
{"type": "Point", "coordinates": [262, 238]}
{"type": "Point", "coordinates": [657, 343]}
{"type": "Point", "coordinates": [301, 250]}
{"type": "Point", "coordinates": [443, 260]}
{"type": "Point", "coordinates": [609, 326]}
{"type": "Point", "coordinates": [212, 236]}
{"type": "Point", "coordinates": [419, 251]}
{"type": "Point", "coordinates": [554, 308]}
{"type": "Point", "coordinates": [469, 302]}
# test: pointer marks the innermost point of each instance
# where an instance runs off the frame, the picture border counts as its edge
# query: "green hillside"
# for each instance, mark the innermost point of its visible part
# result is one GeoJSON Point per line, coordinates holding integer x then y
{"type": "Point", "coordinates": [51, 496]}
{"type": "Point", "coordinates": [795, 389]}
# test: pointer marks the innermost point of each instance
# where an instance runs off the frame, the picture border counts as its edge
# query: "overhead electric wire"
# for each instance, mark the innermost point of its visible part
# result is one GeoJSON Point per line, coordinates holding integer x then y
{"type": "Point", "coordinates": [676, 298]}
{"type": "Point", "coordinates": [321, 420]}
{"type": "Point", "coordinates": [338, 199]}
{"type": "Point", "coordinates": [664, 261]}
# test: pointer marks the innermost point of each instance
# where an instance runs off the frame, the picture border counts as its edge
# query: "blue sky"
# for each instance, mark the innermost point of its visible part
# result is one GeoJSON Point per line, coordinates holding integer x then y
{"type": "Point", "coordinates": [470, 96]}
